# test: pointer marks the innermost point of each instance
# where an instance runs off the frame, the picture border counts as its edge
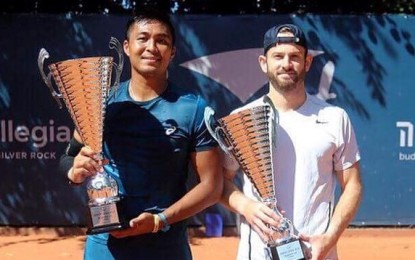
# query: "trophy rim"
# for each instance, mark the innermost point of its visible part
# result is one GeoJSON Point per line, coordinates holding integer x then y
{"type": "Point", "coordinates": [86, 59]}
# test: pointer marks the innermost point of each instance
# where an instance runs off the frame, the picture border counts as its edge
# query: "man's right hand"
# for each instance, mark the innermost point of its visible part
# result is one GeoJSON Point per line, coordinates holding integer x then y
{"type": "Point", "coordinates": [86, 164]}
{"type": "Point", "coordinates": [261, 218]}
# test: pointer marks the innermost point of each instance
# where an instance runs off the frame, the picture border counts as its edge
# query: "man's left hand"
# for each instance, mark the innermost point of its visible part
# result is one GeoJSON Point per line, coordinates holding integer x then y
{"type": "Point", "coordinates": [142, 224]}
{"type": "Point", "coordinates": [320, 246]}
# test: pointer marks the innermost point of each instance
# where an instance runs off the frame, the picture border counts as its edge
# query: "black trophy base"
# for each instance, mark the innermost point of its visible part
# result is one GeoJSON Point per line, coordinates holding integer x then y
{"type": "Point", "coordinates": [106, 217]}
{"type": "Point", "coordinates": [106, 228]}
{"type": "Point", "coordinates": [289, 249]}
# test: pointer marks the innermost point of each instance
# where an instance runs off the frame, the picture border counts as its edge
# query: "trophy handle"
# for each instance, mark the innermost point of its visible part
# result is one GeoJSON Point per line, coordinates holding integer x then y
{"type": "Point", "coordinates": [218, 133]}
{"type": "Point", "coordinates": [274, 119]}
{"type": "Point", "coordinates": [43, 54]}
{"type": "Point", "coordinates": [285, 228]}
{"type": "Point", "coordinates": [115, 44]}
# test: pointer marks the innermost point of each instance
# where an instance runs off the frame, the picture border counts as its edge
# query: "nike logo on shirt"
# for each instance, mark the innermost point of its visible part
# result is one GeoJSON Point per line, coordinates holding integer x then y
{"type": "Point", "coordinates": [321, 121]}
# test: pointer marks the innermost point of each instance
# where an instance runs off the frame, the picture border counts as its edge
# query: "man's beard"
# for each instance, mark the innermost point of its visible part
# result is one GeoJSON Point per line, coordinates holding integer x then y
{"type": "Point", "coordinates": [286, 85]}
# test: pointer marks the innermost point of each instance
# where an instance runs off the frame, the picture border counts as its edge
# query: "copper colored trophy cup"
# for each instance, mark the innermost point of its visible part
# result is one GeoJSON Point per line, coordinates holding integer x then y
{"type": "Point", "coordinates": [84, 84]}
{"type": "Point", "coordinates": [246, 136]}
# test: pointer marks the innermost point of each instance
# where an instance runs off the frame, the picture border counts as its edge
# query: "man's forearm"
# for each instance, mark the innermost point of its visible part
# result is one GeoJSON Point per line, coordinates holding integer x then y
{"type": "Point", "coordinates": [205, 193]}
{"type": "Point", "coordinates": [200, 197]}
{"type": "Point", "coordinates": [232, 197]}
{"type": "Point", "coordinates": [345, 210]}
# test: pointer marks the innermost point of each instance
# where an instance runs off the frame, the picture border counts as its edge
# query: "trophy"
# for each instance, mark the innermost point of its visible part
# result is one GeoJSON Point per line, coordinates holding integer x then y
{"type": "Point", "coordinates": [84, 84]}
{"type": "Point", "coordinates": [245, 136]}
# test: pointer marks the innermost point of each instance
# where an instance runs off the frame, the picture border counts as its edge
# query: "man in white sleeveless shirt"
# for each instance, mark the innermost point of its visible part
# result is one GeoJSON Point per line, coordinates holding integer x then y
{"type": "Point", "coordinates": [315, 147]}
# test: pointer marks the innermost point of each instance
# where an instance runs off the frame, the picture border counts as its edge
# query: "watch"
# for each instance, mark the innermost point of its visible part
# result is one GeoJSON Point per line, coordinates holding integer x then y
{"type": "Point", "coordinates": [166, 225]}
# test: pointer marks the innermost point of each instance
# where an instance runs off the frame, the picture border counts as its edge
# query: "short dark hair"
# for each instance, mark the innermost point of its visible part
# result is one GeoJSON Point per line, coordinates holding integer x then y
{"type": "Point", "coordinates": [151, 15]}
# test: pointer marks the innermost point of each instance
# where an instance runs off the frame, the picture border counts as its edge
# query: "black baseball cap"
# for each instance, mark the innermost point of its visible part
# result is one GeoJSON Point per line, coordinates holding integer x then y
{"type": "Point", "coordinates": [271, 38]}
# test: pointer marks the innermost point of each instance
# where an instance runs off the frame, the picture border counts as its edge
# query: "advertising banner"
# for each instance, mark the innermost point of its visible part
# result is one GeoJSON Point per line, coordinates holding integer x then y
{"type": "Point", "coordinates": [364, 64]}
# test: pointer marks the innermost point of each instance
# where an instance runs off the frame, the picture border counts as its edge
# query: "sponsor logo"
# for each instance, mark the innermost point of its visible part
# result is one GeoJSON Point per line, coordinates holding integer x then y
{"type": "Point", "coordinates": [23, 155]}
{"type": "Point", "coordinates": [319, 121]}
{"type": "Point", "coordinates": [34, 138]}
{"type": "Point", "coordinates": [406, 133]}
{"type": "Point", "coordinates": [170, 130]}
{"type": "Point", "coordinates": [170, 127]}
{"type": "Point", "coordinates": [406, 156]}
{"type": "Point", "coordinates": [406, 140]}
{"type": "Point", "coordinates": [39, 136]}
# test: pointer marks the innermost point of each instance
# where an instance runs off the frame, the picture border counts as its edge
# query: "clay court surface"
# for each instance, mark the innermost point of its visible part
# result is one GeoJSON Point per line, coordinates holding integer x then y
{"type": "Point", "coordinates": [67, 243]}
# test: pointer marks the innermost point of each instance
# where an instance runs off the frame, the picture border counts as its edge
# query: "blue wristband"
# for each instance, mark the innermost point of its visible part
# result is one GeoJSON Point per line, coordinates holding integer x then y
{"type": "Point", "coordinates": [166, 225]}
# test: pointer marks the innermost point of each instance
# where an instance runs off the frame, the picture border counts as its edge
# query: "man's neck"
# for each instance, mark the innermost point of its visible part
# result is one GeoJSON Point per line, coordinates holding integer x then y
{"type": "Point", "coordinates": [144, 89]}
{"type": "Point", "coordinates": [287, 100]}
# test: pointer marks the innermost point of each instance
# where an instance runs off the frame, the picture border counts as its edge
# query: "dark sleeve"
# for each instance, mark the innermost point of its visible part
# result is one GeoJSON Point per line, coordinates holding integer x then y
{"type": "Point", "coordinates": [202, 139]}
{"type": "Point", "coordinates": [67, 158]}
